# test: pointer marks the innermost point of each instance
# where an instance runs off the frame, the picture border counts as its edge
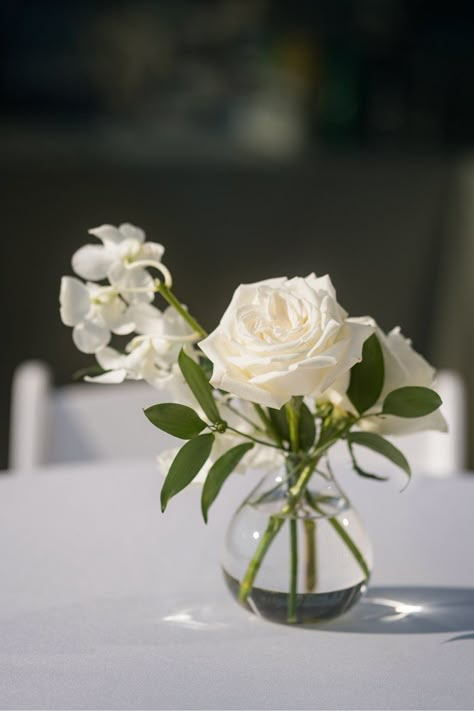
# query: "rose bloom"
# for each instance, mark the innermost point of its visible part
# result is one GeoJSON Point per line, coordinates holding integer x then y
{"type": "Point", "coordinates": [403, 367]}
{"type": "Point", "coordinates": [284, 337]}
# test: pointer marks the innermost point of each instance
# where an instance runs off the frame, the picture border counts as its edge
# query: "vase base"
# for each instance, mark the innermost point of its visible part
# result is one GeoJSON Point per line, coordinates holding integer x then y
{"type": "Point", "coordinates": [310, 607]}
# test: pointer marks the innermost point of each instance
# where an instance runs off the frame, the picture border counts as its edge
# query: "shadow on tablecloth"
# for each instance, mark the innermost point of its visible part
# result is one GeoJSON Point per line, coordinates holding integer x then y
{"type": "Point", "coordinates": [410, 610]}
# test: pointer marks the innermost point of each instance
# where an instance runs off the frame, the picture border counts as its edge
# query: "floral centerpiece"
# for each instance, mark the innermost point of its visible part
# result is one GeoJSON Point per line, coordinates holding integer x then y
{"type": "Point", "coordinates": [285, 376]}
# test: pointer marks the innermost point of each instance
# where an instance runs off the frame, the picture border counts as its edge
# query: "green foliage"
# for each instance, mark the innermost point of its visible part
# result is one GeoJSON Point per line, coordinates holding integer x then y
{"type": "Point", "coordinates": [207, 366]}
{"type": "Point", "coordinates": [367, 377]}
{"type": "Point", "coordinates": [411, 401]}
{"type": "Point", "coordinates": [306, 425]}
{"type": "Point", "coordinates": [378, 444]}
{"type": "Point", "coordinates": [186, 465]}
{"type": "Point", "coordinates": [280, 423]}
{"type": "Point", "coordinates": [177, 420]}
{"type": "Point", "coordinates": [219, 472]}
{"type": "Point", "coordinates": [199, 384]}
{"type": "Point", "coordinates": [362, 472]}
{"type": "Point", "coordinates": [334, 424]}
{"type": "Point", "coordinates": [306, 428]}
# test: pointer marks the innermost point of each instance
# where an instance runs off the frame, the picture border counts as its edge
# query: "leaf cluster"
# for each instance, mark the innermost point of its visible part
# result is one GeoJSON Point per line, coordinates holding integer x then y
{"type": "Point", "coordinates": [292, 428]}
{"type": "Point", "coordinates": [183, 422]}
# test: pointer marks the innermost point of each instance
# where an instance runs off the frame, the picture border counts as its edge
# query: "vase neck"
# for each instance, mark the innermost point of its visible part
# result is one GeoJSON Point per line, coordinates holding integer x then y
{"type": "Point", "coordinates": [321, 498]}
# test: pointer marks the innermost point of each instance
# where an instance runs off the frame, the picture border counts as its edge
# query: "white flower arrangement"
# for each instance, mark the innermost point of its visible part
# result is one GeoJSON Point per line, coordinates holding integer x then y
{"type": "Point", "coordinates": [285, 375]}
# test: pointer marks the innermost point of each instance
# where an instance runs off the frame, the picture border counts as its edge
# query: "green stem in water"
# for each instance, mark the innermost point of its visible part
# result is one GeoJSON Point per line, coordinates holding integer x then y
{"type": "Point", "coordinates": [168, 296]}
{"type": "Point", "coordinates": [342, 533]}
{"type": "Point", "coordinates": [276, 522]}
{"type": "Point", "coordinates": [292, 415]}
{"type": "Point", "coordinates": [309, 526]}
{"type": "Point", "coordinates": [291, 615]}
{"type": "Point", "coordinates": [274, 525]}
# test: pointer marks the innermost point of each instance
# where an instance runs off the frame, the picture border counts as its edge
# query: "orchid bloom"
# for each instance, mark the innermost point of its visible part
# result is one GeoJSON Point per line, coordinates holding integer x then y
{"type": "Point", "coordinates": [122, 258]}
{"type": "Point", "coordinates": [94, 312]}
{"type": "Point", "coordinates": [151, 354]}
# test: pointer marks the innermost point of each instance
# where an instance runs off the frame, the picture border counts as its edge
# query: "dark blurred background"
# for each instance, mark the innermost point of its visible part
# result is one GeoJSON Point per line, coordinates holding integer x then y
{"type": "Point", "coordinates": [254, 139]}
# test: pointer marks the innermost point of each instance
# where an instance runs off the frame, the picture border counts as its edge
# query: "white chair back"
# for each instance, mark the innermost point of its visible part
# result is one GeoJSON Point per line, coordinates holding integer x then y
{"type": "Point", "coordinates": [79, 422]}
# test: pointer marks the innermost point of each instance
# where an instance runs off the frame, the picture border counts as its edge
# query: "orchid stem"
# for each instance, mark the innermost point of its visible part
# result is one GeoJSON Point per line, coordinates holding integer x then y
{"type": "Point", "coordinates": [168, 296]}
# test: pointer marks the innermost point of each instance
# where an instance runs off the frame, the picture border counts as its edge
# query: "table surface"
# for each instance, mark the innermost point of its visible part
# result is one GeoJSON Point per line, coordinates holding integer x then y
{"type": "Point", "coordinates": [105, 603]}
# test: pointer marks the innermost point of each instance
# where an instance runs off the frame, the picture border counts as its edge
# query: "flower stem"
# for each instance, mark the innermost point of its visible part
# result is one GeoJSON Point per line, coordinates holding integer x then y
{"type": "Point", "coordinates": [342, 533]}
{"type": "Point", "coordinates": [293, 417]}
{"type": "Point", "coordinates": [168, 296]}
{"type": "Point", "coordinates": [291, 616]}
{"type": "Point", "coordinates": [268, 424]}
{"type": "Point", "coordinates": [164, 271]}
{"type": "Point", "coordinates": [233, 409]}
{"type": "Point", "coordinates": [340, 530]}
{"type": "Point", "coordinates": [254, 439]}
{"type": "Point", "coordinates": [274, 525]}
{"type": "Point", "coordinates": [310, 549]}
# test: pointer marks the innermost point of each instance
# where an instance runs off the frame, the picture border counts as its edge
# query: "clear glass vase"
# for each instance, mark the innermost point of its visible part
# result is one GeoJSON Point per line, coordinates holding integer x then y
{"type": "Point", "coordinates": [302, 566]}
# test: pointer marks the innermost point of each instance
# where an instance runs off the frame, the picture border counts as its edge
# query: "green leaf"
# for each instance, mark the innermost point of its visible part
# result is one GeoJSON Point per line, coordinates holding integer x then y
{"type": "Point", "coordinates": [367, 377]}
{"type": "Point", "coordinates": [411, 401]}
{"type": "Point", "coordinates": [362, 472]}
{"type": "Point", "coordinates": [219, 472]}
{"type": "Point", "coordinates": [307, 428]}
{"type": "Point", "coordinates": [177, 420]}
{"type": "Point", "coordinates": [280, 423]}
{"type": "Point", "coordinates": [185, 466]}
{"type": "Point", "coordinates": [207, 366]}
{"type": "Point", "coordinates": [380, 445]}
{"type": "Point", "coordinates": [199, 384]}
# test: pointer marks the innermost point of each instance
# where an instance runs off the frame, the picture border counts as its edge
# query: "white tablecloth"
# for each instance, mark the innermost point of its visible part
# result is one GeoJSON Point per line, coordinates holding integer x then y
{"type": "Point", "coordinates": [105, 603]}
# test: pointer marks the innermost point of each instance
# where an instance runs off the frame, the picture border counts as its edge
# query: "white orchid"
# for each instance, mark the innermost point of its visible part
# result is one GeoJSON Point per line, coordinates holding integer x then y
{"type": "Point", "coordinates": [122, 258]}
{"type": "Point", "coordinates": [139, 362]}
{"type": "Point", "coordinates": [94, 312]}
{"type": "Point", "coordinates": [150, 355]}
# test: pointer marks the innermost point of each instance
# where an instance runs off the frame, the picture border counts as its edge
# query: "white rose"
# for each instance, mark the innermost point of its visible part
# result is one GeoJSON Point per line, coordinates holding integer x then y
{"type": "Point", "coordinates": [403, 367]}
{"type": "Point", "coordinates": [283, 337]}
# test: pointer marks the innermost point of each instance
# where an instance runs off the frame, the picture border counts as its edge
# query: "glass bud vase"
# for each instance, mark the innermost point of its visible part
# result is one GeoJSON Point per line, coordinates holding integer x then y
{"type": "Point", "coordinates": [304, 566]}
